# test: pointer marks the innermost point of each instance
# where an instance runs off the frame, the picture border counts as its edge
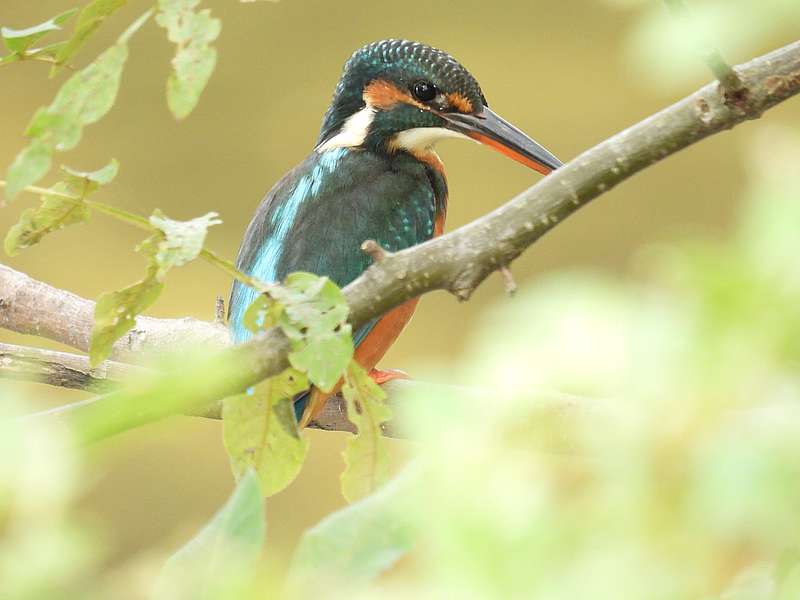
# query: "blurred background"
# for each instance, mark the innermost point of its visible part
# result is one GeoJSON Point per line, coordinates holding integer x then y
{"type": "Point", "coordinates": [569, 73]}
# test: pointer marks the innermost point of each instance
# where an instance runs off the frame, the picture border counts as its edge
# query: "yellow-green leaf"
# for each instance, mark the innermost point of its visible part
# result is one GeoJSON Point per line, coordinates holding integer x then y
{"type": "Point", "coordinates": [223, 557]}
{"type": "Point", "coordinates": [192, 31]}
{"type": "Point", "coordinates": [19, 40]}
{"type": "Point", "coordinates": [324, 356]}
{"type": "Point", "coordinates": [315, 319]}
{"type": "Point", "coordinates": [366, 456]}
{"type": "Point", "coordinates": [358, 543]}
{"type": "Point", "coordinates": [91, 17]}
{"type": "Point", "coordinates": [34, 223]}
{"type": "Point", "coordinates": [261, 433]}
{"type": "Point", "coordinates": [182, 241]}
{"type": "Point", "coordinates": [115, 314]}
{"type": "Point", "coordinates": [83, 99]}
{"type": "Point", "coordinates": [29, 166]}
{"type": "Point", "coordinates": [64, 207]}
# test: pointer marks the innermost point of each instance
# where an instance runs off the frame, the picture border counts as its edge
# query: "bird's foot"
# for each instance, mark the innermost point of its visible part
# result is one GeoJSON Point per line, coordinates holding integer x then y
{"type": "Point", "coordinates": [381, 376]}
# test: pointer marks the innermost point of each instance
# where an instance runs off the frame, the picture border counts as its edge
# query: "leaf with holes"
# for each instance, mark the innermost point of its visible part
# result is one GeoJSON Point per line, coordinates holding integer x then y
{"type": "Point", "coordinates": [91, 17]}
{"type": "Point", "coordinates": [192, 31]}
{"type": "Point", "coordinates": [83, 99]}
{"type": "Point", "coordinates": [365, 455]}
{"type": "Point", "coordinates": [115, 312]}
{"type": "Point", "coordinates": [222, 559]}
{"type": "Point", "coordinates": [18, 41]}
{"type": "Point", "coordinates": [260, 431]}
{"type": "Point", "coordinates": [315, 319]}
{"type": "Point", "coordinates": [182, 241]}
{"type": "Point", "coordinates": [56, 212]}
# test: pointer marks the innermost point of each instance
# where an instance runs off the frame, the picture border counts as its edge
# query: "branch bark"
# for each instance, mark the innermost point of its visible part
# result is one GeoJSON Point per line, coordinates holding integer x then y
{"type": "Point", "coordinates": [457, 262]}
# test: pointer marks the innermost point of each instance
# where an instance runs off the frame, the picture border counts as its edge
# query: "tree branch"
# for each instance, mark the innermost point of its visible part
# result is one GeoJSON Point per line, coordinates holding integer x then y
{"type": "Point", "coordinates": [457, 262]}
{"type": "Point", "coordinates": [63, 369]}
{"type": "Point", "coordinates": [36, 308]}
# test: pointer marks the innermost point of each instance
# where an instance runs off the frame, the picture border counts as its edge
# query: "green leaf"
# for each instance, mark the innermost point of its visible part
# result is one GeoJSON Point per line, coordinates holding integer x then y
{"type": "Point", "coordinates": [194, 59]}
{"type": "Point", "coordinates": [315, 319]}
{"type": "Point", "coordinates": [261, 433]}
{"type": "Point", "coordinates": [115, 312]}
{"type": "Point", "coordinates": [19, 40]}
{"type": "Point", "coordinates": [91, 17]}
{"type": "Point", "coordinates": [366, 456]}
{"type": "Point", "coordinates": [324, 356]}
{"type": "Point", "coordinates": [91, 180]}
{"type": "Point", "coordinates": [183, 240]}
{"type": "Point", "coordinates": [51, 50]}
{"type": "Point", "coordinates": [89, 94]}
{"type": "Point", "coordinates": [83, 99]}
{"type": "Point", "coordinates": [29, 166]}
{"type": "Point", "coordinates": [222, 559]}
{"type": "Point", "coordinates": [358, 543]}
{"type": "Point", "coordinates": [56, 212]}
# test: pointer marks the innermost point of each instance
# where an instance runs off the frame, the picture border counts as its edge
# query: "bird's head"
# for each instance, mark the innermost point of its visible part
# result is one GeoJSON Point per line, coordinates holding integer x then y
{"type": "Point", "coordinates": [400, 95]}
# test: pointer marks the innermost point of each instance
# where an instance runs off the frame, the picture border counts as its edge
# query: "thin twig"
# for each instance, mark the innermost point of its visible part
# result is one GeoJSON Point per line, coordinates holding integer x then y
{"type": "Point", "coordinates": [730, 81]}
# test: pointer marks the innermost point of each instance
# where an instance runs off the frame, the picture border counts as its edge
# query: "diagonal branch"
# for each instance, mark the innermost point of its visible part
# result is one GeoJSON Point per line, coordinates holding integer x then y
{"type": "Point", "coordinates": [457, 262]}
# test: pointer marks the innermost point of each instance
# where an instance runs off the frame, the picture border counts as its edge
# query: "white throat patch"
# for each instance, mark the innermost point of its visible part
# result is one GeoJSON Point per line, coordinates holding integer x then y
{"type": "Point", "coordinates": [353, 132]}
{"type": "Point", "coordinates": [423, 138]}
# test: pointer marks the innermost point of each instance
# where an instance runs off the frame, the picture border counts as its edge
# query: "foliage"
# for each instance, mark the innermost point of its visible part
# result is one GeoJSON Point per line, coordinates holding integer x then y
{"type": "Point", "coordinates": [63, 204]}
{"type": "Point", "coordinates": [220, 561]}
{"type": "Point", "coordinates": [665, 51]}
{"type": "Point", "coordinates": [84, 99]}
{"type": "Point", "coordinates": [91, 17]}
{"type": "Point", "coordinates": [261, 432]}
{"type": "Point", "coordinates": [675, 476]}
{"type": "Point", "coordinates": [366, 456]}
{"type": "Point", "coordinates": [19, 41]}
{"type": "Point", "coordinates": [192, 32]}
{"type": "Point", "coordinates": [260, 427]}
{"type": "Point", "coordinates": [174, 243]}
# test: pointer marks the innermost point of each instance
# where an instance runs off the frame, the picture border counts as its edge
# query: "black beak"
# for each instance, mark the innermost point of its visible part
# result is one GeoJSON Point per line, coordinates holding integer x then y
{"type": "Point", "coordinates": [488, 128]}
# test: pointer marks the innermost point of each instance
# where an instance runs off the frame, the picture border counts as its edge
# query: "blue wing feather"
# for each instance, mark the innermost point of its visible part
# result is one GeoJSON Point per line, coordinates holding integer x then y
{"type": "Point", "coordinates": [316, 218]}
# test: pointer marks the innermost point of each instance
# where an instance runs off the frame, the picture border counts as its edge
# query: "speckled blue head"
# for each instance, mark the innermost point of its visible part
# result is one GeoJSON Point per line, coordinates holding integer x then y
{"type": "Point", "coordinates": [402, 95]}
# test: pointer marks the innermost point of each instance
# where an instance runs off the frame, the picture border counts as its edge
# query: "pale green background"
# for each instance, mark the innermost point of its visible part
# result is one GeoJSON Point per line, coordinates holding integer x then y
{"type": "Point", "coordinates": [556, 69]}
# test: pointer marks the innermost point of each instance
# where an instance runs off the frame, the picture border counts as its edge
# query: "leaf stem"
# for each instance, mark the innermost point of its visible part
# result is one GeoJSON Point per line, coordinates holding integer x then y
{"type": "Point", "coordinates": [143, 223]}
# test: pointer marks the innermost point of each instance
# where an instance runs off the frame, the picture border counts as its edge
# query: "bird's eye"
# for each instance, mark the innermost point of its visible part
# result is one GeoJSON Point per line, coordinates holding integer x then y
{"type": "Point", "coordinates": [424, 91]}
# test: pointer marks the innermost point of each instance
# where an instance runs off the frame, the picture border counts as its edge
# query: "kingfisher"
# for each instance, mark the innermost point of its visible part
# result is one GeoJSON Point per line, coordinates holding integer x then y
{"type": "Point", "coordinates": [373, 175]}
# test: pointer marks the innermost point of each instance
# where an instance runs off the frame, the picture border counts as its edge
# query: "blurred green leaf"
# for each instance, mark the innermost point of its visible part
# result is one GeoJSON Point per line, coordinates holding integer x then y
{"type": "Point", "coordinates": [83, 99]}
{"type": "Point", "coordinates": [183, 240]}
{"type": "Point", "coordinates": [51, 50]}
{"type": "Point", "coordinates": [261, 433]}
{"type": "Point", "coordinates": [19, 40]}
{"type": "Point", "coordinates": [358, 543]}
{"type": "Point", "coordinates": [46, 550]}
{"type": "Point", "coordinates": [366, 456]}
{"type": "Point", "coordinates": [91, 17]}
{"type": "Point", "coordinates": [667, 51]}
{"type": "Point", "coordinates": [194, 59]}
{"type": "Point", "coordinates": [221, 560]}
{"type": "Point", "coordinates": [29, 166]}
{"type": "Point", "coordinates": [55, 212]}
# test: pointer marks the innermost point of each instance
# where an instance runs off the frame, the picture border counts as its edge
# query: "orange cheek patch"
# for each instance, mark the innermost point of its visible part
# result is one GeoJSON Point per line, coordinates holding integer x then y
{"type": "Point", "coordinates": [460, 102]}
{"type": "Point", "coordinates": [384, 95]}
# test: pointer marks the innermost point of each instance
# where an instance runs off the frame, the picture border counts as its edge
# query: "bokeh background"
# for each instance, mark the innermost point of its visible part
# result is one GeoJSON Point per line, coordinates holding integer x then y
{"type": "Point", "coordinates": [568, 73]}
